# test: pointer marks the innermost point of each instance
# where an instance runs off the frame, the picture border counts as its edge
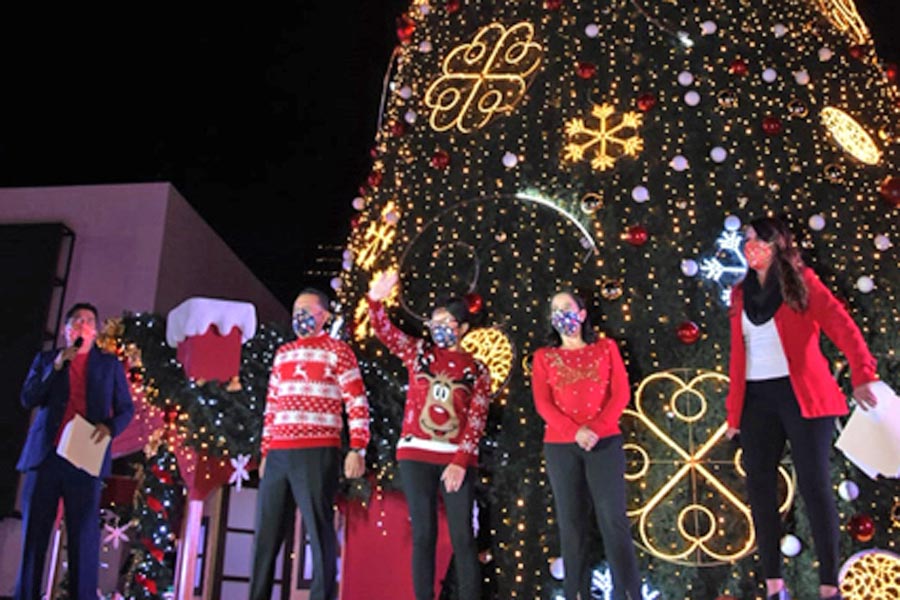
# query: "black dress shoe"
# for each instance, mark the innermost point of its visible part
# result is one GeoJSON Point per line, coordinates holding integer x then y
{"type": "Point", "coordinates": [781, 594]}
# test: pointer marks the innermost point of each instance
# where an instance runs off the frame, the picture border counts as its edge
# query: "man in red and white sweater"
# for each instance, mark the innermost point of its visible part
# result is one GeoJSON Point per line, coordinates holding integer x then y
{"type": "Point", "coordinates": [314, 379]}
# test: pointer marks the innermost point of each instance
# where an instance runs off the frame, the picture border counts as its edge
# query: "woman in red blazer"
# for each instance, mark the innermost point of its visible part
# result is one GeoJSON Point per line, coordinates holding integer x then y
{"type": "Point", "coordinates": [782, 390]}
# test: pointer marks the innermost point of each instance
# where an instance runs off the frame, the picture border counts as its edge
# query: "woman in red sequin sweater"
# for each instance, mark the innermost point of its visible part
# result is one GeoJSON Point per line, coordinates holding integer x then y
{"type": "Point", "coordinates": [443, 420]}
{"type": "Point", "coordinates": [580, 389]}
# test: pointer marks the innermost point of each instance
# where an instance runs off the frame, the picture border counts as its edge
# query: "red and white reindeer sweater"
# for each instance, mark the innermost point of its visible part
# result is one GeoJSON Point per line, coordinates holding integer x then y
{"type": "Point", "coordinates": [311, 380]}
{"type": "Point", "coordinates": [447, 398]}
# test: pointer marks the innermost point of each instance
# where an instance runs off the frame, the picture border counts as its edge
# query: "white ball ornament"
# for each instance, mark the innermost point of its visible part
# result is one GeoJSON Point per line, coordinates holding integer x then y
{"type": "Point", "coordinates": [510, 160]}
{"type": "Point", "coordinates": [557, 568]}
{"type": "Point", "coordinates": [790, 545]}
{"type": "Point", "coordinates": [685, 78]}
{"type": "Point", "coordinates": [640, 194]}
{"type": "Point", "coordinates": [410, 116]}
{"type": "Point", "coordinates": [405, 92]}
{"type": "Point", "coordinates": [865, 284]}
{"type": "Point", "coordinates": [801, 77]}
{"type": "Point", "coordinates": [883, 242]}
{"type": "Point", "coordinates": [692, 98]}
{"type": "Point", "coordinates": [336, 283]}
{"type": "Point", "coordinates": [718, 154]}
{"type": "Point", "coordinates": [708, 27]}
{"type": "Point", "coordinates": [780, 30]}
{"type": "Point", "coordinates": [425, 46]}
{"type": "Point", "coordinates": [592, 30]}
{"type": "Point", "coordinates": [732, 223]}
{"type": "Point", "coordinates": [689, 267]}
{"type": "Point", "coordinates": [817, 222]}
{"type": "Point", "coordinates": [825, 53]}
{"type": "Point", "coordinates": [848, 490]}
{"type": "Point", "coordinates": [679, 163]}
{"type": "Point", "coordinates": [769, 75]}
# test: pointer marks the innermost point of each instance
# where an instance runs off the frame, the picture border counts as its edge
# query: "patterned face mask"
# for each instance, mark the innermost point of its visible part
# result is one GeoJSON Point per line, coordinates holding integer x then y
{"type": "Point", "coordinates": [565, 322]}
{"type": "Point", "coordinates": [443, 335]}
{"type": "Point", "coordinates": [304, 323]}
{"type": "Point", "coordinates": [758, 253]}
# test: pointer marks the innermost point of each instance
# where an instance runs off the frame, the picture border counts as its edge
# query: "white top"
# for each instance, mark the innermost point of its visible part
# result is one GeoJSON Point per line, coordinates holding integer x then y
{"type": "Point", "coordinates": [765, 354]}
{"type": "Point", "coordinates": [195, 315]}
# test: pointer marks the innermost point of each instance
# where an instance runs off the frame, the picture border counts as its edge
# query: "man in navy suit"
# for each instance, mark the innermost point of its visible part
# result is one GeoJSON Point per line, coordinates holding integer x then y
{"type": "Point", "coordinates": [79, 379]}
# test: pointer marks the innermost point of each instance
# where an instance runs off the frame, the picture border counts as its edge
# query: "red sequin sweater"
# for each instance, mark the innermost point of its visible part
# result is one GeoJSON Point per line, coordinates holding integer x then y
{"type": "Point", "coordinates": [584, 386]}
{"type": "Point", "coordinates": [447, 398]}
{"type": "Point", "coordinates": [312, 380]}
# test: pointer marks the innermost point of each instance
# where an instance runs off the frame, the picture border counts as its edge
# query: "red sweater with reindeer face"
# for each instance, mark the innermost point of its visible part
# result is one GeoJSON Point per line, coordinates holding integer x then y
{"type": "Point", "coordinates": [447, 399]}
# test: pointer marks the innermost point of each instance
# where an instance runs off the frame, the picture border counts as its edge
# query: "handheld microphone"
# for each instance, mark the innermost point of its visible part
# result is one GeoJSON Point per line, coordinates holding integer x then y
{"type": "Point", "coordinates": [78, 343]}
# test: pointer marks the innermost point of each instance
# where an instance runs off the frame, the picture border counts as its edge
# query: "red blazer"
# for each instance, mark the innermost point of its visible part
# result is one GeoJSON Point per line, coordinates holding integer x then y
{"type": "Point", "coordinates": [817, 392]}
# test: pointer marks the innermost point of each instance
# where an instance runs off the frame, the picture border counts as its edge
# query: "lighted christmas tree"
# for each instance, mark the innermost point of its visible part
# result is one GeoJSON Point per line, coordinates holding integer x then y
{"type": "Point", "coordinates": [617, 147]}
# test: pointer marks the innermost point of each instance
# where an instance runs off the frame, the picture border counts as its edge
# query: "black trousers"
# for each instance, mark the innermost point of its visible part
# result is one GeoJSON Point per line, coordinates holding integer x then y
{"type": "Point", "coordinates": [421, 482]}
{"type": "Point", "coordinates": [579, 478]}
{"type": "Point", "coordinates": [772, 416]}
{"type": "Point", "coordinates": [57, 478]}
{"type": "Point", "coordinates": [307, 478]}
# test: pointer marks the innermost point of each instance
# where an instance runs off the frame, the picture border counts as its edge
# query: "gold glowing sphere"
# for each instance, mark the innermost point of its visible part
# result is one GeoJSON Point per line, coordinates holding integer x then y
{"type": "Point", "coordinates": [850, 135]}
{"type": "Point", "coordinates": [871, 574]}
{"type": "Point", "coordinates": [493, 348]}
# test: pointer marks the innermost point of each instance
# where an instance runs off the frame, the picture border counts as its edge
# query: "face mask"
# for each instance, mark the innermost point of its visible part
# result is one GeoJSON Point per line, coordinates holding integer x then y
{"type": "Point", "coordinates": [758, 253]}
{"type": "Point", "coordinates": [304, 323]}
{"type": "Point", "coordinates": [443, 335]}
{"type": "Point", "coordinates": [565, 322]}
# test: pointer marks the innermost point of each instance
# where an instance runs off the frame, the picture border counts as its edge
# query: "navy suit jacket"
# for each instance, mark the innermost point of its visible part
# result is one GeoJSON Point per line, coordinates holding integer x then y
{"type": "Point", "coordinates": [108, 402]}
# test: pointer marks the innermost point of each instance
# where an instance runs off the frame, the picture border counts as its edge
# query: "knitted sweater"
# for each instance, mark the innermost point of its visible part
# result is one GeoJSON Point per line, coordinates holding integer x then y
{"type": "Point", "coordinates": [447, 398]}
{"type": "Point", "coordinates": [312, 378]}
{"type": "Point", "coordinates": [585, 386]}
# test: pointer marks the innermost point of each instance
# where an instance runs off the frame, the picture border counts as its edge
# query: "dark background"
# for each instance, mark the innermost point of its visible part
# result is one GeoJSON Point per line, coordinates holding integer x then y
{"type": "Point", "coordinates": [261, 115]}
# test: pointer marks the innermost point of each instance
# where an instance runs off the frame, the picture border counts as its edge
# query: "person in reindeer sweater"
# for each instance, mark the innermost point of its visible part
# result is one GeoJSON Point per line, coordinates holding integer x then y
{"type": "Point", "coordinates": [443, 420]}
{"type": "Point", "coordinates": [313, 378]}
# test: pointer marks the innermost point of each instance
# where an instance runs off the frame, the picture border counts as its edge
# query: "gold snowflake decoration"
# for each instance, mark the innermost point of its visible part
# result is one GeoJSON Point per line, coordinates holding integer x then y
{"type": "Point", "coordinates": [608, 139]}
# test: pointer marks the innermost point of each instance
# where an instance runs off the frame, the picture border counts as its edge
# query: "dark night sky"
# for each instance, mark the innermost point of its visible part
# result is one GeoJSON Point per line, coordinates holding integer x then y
{"type": "Point", "coordinates": [262, 116]}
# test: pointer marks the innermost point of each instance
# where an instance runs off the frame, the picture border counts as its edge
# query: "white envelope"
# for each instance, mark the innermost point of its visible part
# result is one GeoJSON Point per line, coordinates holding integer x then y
{"type": "Point", "coordinates": [871, 438]}
{"type": "Point", "coordinates": [77, 447]}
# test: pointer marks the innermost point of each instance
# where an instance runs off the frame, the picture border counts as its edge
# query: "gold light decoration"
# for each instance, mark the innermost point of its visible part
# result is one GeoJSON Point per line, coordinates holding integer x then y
{"type": "Point", "coordinates": [485, 77]}
{"type": "Point", "coordinates": [493, 348]}
{"type": "Point", "coordinates": [850, 135]}
{"type": "Point", "coordinates": [871, 574]}
{"type": "Point", "coordinates": [843, 15]}
{"type": "Point", "coordinates": [692, 476]}
{"type": "Point", "coordinates": [378, 237]}
{"type": "Point", "coordinates": [607, 139]}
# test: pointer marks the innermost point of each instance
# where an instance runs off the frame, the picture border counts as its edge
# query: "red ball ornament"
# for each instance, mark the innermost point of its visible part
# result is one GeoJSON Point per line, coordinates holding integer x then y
{"type": "Point", "coordinates": [374, 179]}
{"type": "Point", "coordinates": [354, 222]}
{"type": "Point", "coordinates": [738, 67]}
{"type": "Point", "coordinates": [405, 28]}
{"type": "Point", "coordinates": [646, 102]}
{"type": "Point", "coordinates": [890, 71]}
{"type": "Point", "coordinates": [452, 6]}
{"type": "Point", "coordinates": [857, 51]}
{"type": "Point", "coordinates": [171, 415]}
{"type": "Point", "coordinates": [440, 159]}
{"type": "Point", "coordinates": [154, 504]}
{"type": "Point", "coordinates": [552, 4]}
{"type": "Point", "coordinates": [637, 235]}
{"type": "Point", "coordinates": [861, 528]}
{"type": "Point", "coordinates": [688, 332]}
{"type": "Point", "coordinates": [585, 70]}
{"type": "Point", "coordinates": [474, 302]}
{"type": "Point", "coordinates": [397, 128]}
{"type": "Point", "coordinates": [772, 126]}
{"type": "Point", "coordinates": [890, 190]}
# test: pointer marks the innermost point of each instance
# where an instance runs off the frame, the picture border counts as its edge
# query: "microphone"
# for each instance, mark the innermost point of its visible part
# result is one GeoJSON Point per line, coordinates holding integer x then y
{"type": "Point", "coordinates": [78, 343]}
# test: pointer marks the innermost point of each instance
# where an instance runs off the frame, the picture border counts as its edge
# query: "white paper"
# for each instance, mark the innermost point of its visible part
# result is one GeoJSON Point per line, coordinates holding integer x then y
{"type": "Point", "coordinates": [871, 438]}
{"type": "Point", "coordinates": [77, 447]}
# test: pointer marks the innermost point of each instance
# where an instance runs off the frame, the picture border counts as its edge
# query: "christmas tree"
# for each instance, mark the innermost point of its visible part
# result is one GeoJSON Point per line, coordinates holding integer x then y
{"type": "Point", "coordinates": [616, 148]}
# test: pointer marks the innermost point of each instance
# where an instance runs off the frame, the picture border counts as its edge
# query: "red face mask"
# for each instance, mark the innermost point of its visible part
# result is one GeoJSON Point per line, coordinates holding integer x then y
{"type": "Point", "coordinates": [758, 253]}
